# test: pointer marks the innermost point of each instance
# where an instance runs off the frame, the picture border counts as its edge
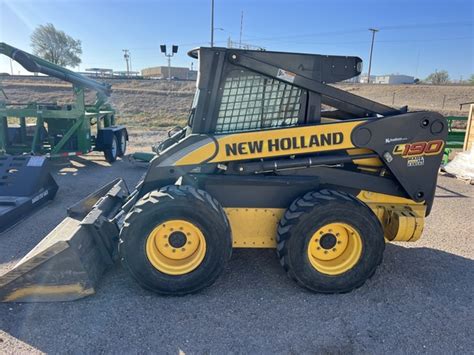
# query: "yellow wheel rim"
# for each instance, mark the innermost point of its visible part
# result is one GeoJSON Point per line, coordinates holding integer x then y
{"type": "Point", "coordinates": [335, 248]}
{"type": "Point", "coordinates": [176, 247]}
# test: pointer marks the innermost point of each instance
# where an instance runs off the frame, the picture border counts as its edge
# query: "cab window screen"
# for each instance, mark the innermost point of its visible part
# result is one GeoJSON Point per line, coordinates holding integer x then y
{"type": "Point", "coordinates": [251, 102]}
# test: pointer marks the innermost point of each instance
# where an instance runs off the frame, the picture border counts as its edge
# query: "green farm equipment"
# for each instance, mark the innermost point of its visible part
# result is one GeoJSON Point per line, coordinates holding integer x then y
{"type": "Point", "coordinates": [32, 132]}
{"type": "Point", "coordinates": [456, 136]}
{"type": "Point", "coordinates": [60, 130]}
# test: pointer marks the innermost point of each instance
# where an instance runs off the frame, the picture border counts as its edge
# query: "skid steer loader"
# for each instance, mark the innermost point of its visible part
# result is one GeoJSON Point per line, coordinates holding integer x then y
{"type": "Point", "coordinates": [272, 157]}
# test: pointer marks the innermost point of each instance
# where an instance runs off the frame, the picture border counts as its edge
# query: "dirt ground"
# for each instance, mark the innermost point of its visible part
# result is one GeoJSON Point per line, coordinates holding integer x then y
{"type": "Point", "coordinates": [419, 301]}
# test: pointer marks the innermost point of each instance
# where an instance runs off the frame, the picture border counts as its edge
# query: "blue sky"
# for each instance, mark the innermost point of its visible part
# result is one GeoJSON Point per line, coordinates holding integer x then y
{"type": "Point", "coordinates": [416, 37]}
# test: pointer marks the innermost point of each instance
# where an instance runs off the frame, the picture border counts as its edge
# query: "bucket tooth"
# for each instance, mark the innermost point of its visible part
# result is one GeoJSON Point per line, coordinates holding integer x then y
{"type": "Point", "coordinates": [68, 263]}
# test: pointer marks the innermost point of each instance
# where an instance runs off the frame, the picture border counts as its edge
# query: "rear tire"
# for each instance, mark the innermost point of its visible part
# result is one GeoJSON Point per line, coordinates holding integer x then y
{"type": "Point", "coordinates": [330, 242]}
{"type": "Point", "coordinates": [155, 240]}
{"type": "Point", "coordinates": [122, 146]}
{"type": "Point", "coordinates": [111, 153]}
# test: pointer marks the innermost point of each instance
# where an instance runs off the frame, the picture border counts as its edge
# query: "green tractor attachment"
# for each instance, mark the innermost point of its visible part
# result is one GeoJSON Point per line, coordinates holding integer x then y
{"type": "Point", "coordinates": [33, 131]}
{"type": "Point", "coordinates": [60, 130]}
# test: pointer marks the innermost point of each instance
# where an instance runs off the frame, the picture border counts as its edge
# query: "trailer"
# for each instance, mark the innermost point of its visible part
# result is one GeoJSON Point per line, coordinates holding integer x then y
{"type": "Point", "coordinates": [58, 130]}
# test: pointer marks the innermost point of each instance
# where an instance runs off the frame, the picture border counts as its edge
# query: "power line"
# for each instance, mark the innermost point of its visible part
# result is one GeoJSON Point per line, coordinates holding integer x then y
{"type": "Point", "coordinates": [359, 29]}
{"type": "Point", "coordinates": [373, 30]}
{"type": "Point", "coordinates": [126, 56]}
{"type": "Point", "coordinates": [212, 23]}
{"type": "Point", "coordinates": [383, 41]}
{"type": "Point", "coordinates": [241, 27]}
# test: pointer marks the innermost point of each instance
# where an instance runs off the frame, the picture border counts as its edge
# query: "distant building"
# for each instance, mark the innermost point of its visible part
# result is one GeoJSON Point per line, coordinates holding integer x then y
{"type": "Point", "coordinates": [162, 72]}
{"type": "Point", "coordinates": [126, 74]}
{"type": "Point", "coordinates": [363, 78]}
{"type": "Point", "coordinates": [109, 73]}
{"type": "Point", "coordinates": [394, 79]}
{"type": "Point", "coordinates": [99, 72]}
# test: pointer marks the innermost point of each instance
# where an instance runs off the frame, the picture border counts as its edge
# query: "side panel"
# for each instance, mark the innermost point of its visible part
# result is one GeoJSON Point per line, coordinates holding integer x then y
{"type": "Point", "coordinates": [402, 220]}
{"type": "Point", "coordinates": [254, 227]}
{"type": "Point", "coordinates": [411, 146]}
{"type": "Point", "coordinates": [273, 143]}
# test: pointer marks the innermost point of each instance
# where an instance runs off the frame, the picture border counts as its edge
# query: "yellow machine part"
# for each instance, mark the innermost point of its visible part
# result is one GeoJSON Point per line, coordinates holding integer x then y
{"type": "Point", "coordinates": [402, 220]}
{"type": "Point", "coordinates": [254, 227]}
{"type": "Point", "coordinates": [342, 256]}
{"type": "Point", "coordinates": [174, 259]}
{"type": "Point", "coordinates": [369, 162]}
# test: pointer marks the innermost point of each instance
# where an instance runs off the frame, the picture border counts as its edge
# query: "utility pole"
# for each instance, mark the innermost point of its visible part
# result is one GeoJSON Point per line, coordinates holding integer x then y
{"type": "Point", "coordinates": [126, 56]}
{"type": "Point", "coordinates": [174, 50]}
{"type": "Point", "coordinates": [11, 66]}
{"type": "Point", "coordinates": [212, 23]}
{"type": "Point", "coordinates": [374, 30]}
{"type": "Point", "coordinates": [241, 27]}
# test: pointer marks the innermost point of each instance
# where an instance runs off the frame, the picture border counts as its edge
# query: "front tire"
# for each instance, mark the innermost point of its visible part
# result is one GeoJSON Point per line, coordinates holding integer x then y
{"type": "Point", "coordinates": [330, 242]}
{"type": "Point", "coordinates": [176, 240]}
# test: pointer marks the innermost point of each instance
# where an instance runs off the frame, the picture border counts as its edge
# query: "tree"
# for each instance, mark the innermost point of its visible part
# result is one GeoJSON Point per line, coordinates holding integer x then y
{"type": "Point", "coordinates": [56, 46]}
{"type": "Point", "coordinates": [471, 80]}
{"type": "Point", "coordinates": [438, 77]}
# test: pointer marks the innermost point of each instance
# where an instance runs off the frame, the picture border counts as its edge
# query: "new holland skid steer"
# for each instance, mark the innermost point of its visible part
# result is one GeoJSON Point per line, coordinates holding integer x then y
{"type": "Point", "coordinates": [272, 157]}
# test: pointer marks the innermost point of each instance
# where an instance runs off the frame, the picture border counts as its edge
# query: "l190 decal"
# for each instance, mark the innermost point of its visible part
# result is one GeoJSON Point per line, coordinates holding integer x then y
{"type": "Point", "coordinates": [419, 148]}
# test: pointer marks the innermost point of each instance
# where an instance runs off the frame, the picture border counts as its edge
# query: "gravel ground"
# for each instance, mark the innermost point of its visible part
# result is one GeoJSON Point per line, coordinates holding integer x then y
{"type": "Point", "coordinates": [419, 301]}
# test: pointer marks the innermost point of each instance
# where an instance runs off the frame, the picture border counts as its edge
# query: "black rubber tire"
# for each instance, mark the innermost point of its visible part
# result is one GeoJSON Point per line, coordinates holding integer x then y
{"type": "Point", "coordinates": [309, 213]}
{"type": "Point", "coordinates": [176, 202]}
{"type": "Point", "coordinates": [122, 143]}
{"type": "Point", "coordinates": [111, 154]}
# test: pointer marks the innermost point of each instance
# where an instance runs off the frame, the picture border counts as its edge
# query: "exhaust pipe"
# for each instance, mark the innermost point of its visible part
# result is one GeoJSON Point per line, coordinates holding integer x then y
{"type": "Point", "coordinates": [68, 263]}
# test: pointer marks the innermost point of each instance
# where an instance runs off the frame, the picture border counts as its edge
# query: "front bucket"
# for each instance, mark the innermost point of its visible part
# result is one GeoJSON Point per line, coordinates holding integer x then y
{"type": "Point", "coordinates": [67, 264]}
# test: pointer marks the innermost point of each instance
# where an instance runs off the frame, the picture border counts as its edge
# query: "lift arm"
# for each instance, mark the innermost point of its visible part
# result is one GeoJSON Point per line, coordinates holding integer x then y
{"type": "Point", "coordinates": [330, 95]}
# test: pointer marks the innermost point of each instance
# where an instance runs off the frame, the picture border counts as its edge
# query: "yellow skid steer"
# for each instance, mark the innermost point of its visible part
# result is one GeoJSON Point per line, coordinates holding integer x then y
{"type": "Point", "coordinates": [272, 157]}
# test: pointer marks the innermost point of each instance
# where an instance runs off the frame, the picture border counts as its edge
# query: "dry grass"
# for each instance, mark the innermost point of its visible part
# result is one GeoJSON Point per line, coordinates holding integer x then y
{"type": "Point", "coordinates": [157, 105]}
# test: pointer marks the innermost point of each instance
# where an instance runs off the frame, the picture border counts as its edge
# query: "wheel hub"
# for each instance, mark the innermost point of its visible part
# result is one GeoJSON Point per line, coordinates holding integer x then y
{"type": "Point", "coordinates": [334, 248]}
{"type": "Point", "coordinates": [176, 247]}
{"type": "Point", "coordinates": [328, 241]}
{"type": "Point", "coordinates": [177, 239]}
